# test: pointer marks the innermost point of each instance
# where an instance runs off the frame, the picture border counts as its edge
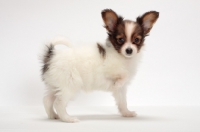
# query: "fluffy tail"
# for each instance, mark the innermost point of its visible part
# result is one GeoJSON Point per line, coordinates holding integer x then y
{"type": "Point", "coordinates": [49, 51]}
{"type": "Point", "coordinates": [60, 40]}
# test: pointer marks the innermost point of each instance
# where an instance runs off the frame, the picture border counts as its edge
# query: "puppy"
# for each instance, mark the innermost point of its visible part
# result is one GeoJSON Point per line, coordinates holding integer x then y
{"type": "Point", "coordinates": [108, 67]}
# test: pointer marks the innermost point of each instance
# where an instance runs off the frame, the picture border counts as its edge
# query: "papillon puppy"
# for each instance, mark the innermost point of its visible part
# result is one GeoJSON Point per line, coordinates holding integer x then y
{"type": "Point", "coordinates": [108, 67]}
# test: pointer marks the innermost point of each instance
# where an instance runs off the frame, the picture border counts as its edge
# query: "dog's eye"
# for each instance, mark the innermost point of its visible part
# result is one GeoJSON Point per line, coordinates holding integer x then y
{"type": "Point", "coordinates": [137, 40]}
{"type": "Point", "coordinates": [120, 40]}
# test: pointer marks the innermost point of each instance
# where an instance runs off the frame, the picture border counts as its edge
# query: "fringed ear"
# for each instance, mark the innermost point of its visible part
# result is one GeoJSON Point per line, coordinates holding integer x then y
{"type": "Point", "coordinates": [110, 19]}
{"type": "Point", "coordinates": [147, 20]}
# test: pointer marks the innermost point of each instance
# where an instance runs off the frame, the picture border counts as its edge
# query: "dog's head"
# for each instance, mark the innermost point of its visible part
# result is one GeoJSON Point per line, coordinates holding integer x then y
{"type": "Point", "coordinates": [127, 36]}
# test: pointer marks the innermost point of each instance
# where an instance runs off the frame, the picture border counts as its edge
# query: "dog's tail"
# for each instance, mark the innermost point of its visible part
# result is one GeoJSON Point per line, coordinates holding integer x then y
{"type": "Point", "coordinates": [60, 40]}
{"type": "Point", "coordinates": [49, 51]}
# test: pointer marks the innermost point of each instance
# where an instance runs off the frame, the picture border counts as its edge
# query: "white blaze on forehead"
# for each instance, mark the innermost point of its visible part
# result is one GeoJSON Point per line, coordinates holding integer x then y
{"type": "Point", "coordinates": [129, 28]}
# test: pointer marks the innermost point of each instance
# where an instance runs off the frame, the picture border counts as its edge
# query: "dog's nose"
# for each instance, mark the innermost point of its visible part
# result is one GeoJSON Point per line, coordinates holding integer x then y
{"type": "Point", "coordinates": [129, 51]}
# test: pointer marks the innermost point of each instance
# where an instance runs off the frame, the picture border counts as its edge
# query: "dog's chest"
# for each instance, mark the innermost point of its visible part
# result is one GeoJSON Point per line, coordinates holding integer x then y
{"type": "Point", "coordinates": [103, 75]}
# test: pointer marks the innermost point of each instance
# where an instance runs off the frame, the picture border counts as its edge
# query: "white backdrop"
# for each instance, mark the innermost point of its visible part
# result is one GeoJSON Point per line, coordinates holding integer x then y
{"type": "Point", "coordinates": [170, 70]}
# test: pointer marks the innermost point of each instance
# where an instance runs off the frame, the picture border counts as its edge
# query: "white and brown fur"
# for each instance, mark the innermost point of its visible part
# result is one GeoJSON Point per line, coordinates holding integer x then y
{"type": "Point", "coordinates": [109, 67]}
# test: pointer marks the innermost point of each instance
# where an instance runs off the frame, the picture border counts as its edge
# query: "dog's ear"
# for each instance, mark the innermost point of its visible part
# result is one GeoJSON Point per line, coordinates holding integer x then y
{"type": "Point", "coordinates": [110, 19]}
{"type": "Point", "coordinates": [147, 20]}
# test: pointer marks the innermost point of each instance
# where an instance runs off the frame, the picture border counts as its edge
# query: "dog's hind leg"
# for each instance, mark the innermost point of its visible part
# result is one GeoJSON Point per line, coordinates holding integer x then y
{"type": "Point", "coordinates": [60, 106]}
{"type": "Point", "coordinates": [48, 104]}
{"type": "Point", "coordinates": [70, 84]}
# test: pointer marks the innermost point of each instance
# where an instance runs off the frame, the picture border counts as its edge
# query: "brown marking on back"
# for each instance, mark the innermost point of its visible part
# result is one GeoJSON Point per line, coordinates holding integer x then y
{"type": "Point", "coordinates": [102, 51]}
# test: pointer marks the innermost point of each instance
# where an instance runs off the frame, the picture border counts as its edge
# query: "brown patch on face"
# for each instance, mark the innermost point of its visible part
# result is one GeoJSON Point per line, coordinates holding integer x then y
{"type": "Point", "coordinates": [118, 37]}
{"type": "Point", "coordinates": [120, 34]}
{"type": "Point", "coordinates": [115, 27]}
{"type": "Point", "coordinates": [102, 51]}
{"type": "Point", "coordinates": [137, 37]}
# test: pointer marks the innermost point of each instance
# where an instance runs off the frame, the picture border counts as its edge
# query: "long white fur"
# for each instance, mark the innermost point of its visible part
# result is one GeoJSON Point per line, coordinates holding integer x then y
{"type": "Point", "coordinates": [83, 68]}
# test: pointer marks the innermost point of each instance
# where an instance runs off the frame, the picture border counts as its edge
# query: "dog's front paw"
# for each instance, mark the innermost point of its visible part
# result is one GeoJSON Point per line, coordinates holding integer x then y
{"type": "Point", "coordinates": [128, 114]}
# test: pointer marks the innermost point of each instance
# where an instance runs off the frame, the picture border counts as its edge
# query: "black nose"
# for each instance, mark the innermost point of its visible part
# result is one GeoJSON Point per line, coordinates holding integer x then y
{"type": "Point", "coordinates": [129, 51]}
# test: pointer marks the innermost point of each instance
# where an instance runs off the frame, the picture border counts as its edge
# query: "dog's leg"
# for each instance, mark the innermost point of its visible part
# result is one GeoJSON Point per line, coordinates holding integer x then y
{"type": "Point", "coordinates": [60, 106]}
{"type": "Point", "coordinates": [120, 97]}
{"type": "Point", "coordinates": [48, 104]}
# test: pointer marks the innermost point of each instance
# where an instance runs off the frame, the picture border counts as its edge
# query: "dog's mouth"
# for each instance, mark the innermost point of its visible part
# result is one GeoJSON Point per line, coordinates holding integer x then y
{"type": "Point", "coordinates": [129, 55]}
